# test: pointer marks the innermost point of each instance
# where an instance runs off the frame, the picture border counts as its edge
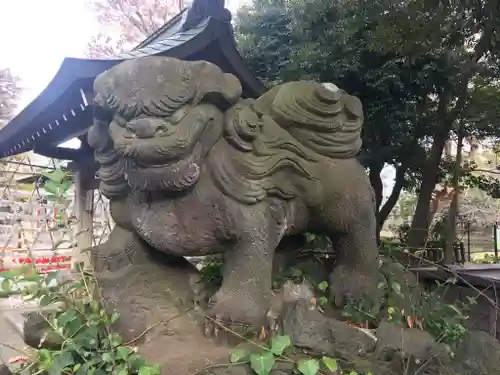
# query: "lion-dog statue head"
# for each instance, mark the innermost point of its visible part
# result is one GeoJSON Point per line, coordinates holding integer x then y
{"type": "Point", "coordinates": [155, 120]}
{"type": "Point", "coordinates": [159, 120]}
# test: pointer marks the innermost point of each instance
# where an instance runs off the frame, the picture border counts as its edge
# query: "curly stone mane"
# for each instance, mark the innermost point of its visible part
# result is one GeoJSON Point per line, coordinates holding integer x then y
{"type": "Point", "coordinates": [259, 148]}
{"type": "Point", "coordinates": [270, 143]}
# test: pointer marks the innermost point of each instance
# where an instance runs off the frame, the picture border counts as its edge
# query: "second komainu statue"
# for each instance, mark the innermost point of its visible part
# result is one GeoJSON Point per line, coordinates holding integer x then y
{"type": "Point", "coordinates": [191, 168]}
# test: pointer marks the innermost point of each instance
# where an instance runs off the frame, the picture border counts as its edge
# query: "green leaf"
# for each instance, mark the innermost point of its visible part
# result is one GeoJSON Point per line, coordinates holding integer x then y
{"type": "Point", "coordinates": [108, 357]}
{"type": "Point", "coordinates": [115, 339]}
{"type": "Point", "coordinates": [263, 363]}
{"type": "Point", "coordinates": [310, 237]}
{"type": "Point", "coordinates": [65, 185]}
{"type": "Point", "coordinates": [60, 362]}
{"type": "Point", "coordinates": [323, 286]}
{"type": "Point", "coordinates": [114, 317]}
{"type": "Point", "coordinates": [51, 187]}
{"type": "Point", "coordinates": [50, 278]}
{"type": "Point", "coordinates": [396, 287]}
{"type": "Point", "coordinates": [45, 359]}
{"type": "Point", "coordinates": [87, 338]}
{"type": "Point", "coordinates": [121, 371]}
{"type": "Point", "coordinates": [71, 322]}
{"type": "Point", "coordinates": [296, 273]}
{"type": "Point", "coordinates": [84, 369]}
{"type": "Point", "coordinates": [6, 285]}
{"type": "Point", "coordinates": [471, 300]}
{"type": "Point", "coordinates": [55, 176]}
{"type": "Point", "coordinates": [66, 317]}
{"type": "Point", "coordinates": [353, 373]}
{"type": "Point", "coordinates": [330, 364]}
{"type": "Point", "coordinates": [150, 370]}
{"type": "Point", "coordinates": [238, 355]}
{"type": "Point", "coordinates": [94, 305]}
{"type": "Point", "coordinates": [308, 366]}
{"type": "Point", "coordinates": [323, 301]}
{"type": "Point", "coordinates": [123, 352]}
{"type": "Point", "coordinates": [279, 344]}
{"type": "Point", "coordinates": [46, 300]}
{"type": "Point", "coordinates": [455, 309]}
{"type": "Point", "coordinates": [381, 285]}
{"type": "Point", "coordinates": [135, 362]}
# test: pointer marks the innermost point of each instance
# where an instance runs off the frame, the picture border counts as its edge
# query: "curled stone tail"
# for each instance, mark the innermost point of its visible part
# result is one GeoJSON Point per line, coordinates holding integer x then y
{"type": "Point", "coordinates": [322, 117]}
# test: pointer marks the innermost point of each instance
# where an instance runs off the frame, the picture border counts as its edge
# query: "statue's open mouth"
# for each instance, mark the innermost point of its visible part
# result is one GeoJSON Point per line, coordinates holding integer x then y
{"type": "Point", "coordinates": [172, 165]}
{"type": "Point", "coordinates": [147, 164]}
{"type": "Point", "coordinates": [176, 175]}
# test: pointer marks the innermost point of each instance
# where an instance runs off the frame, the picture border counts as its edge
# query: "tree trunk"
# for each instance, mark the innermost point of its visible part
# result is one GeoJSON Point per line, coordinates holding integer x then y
{"type": "Point", "coordinates": [386, 209]}
{"type": "Point", "coordinates": [447, 148]}
{"type": "Point", "coordinates": [474, 148]}
{"type": "Point", "coordinates": [376, 182]}
{"type": "Point", "coordinates": [451, 232]}
{"type": "Point", "coordinates": [421, 220]}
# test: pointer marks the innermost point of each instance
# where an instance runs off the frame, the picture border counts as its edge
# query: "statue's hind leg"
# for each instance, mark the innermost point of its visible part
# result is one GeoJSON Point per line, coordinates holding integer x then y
{"type": "Point", "coordinates": [356, 272]}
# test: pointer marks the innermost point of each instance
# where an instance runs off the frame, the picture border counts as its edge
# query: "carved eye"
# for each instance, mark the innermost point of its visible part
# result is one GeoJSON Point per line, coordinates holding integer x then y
{"type": "Point", "coordinates": [179, 115]}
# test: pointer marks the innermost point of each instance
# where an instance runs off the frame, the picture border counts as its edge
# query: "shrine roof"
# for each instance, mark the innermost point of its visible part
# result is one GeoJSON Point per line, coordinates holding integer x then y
{"type": "Point", "coordinates": [63, 110]}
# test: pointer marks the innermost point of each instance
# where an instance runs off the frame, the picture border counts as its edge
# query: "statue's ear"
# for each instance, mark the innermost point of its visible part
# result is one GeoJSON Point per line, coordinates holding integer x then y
{"type": "Point", "coordinates": [98, 136]}
{"type": "Point", "coordinates": [220, 89]}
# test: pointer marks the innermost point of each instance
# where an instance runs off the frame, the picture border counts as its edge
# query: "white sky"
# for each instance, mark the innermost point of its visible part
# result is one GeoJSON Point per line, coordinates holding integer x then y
{"type": "Point", "coordinates": [36, 35]}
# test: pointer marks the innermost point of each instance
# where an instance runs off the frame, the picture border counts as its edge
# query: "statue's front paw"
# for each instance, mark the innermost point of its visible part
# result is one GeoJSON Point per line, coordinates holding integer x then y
{"type": "Point", "coordinates": [233, 318]}
{"type": "Point", "coordinates": [346, 283]}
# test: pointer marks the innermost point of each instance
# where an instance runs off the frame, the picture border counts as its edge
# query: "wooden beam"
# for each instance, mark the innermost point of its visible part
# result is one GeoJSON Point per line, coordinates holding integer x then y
{"type": "Point", "coordinates": [61, 153]}
{"type": "Point", "coordinates": [84, 178]}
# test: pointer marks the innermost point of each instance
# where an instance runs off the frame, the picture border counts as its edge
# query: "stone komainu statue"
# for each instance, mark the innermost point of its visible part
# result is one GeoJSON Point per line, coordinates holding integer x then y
{"type": "Point", "coordinates": [192, 169]}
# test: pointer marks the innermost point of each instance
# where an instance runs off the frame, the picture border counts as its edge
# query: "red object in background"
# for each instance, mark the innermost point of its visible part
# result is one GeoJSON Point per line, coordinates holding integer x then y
{"type": "Point", "coordinates": [50, 263]}
{"type": "Point", "coordinates": [54, 268]}
{"type": "Point", "coordinates": [43, 260]}
{"type": "Point", "coordinates": [45, 269]}
{"type": "Point", "coordinates": [18, 359]}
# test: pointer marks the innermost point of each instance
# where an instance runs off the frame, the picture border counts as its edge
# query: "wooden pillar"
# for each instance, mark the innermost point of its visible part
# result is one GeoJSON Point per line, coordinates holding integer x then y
{"type": "Point", "coordinates": [84, 215]}
{"type": "Point", "coordinates": [84, 173]}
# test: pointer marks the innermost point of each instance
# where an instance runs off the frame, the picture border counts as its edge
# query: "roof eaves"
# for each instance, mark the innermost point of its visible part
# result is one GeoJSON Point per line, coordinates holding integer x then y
{"type": "Point", "coordinates": [172, 25]}
{"type": "Point", "coordinates": [166, 44]}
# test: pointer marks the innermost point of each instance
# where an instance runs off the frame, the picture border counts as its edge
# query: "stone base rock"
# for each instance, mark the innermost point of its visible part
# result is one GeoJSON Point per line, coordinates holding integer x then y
{"type": "Point", "coordinates": [391, 349]}
{"type": "Point", "coordinates": [159, 313]}
{"type": "Point", "coordinates": [158, 316]}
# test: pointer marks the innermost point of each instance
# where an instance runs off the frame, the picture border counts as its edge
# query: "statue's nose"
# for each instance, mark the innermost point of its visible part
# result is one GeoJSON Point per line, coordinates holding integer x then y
{"type": "Point", "coordinates": [143, 128]}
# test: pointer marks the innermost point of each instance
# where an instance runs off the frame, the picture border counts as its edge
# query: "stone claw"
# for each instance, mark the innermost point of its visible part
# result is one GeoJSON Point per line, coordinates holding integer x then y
{"type": "Point", "coordinates": [225, 331]}
{"type": "Point", "coordinates": [228, 323]}
{"type": "Point", "coordinates": [348, 283]}
{"type": "Point", "coordinates": [273, 323]}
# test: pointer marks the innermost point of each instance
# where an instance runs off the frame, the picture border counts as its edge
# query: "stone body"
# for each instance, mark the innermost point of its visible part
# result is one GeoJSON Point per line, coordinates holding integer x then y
{"type": "Point", "coordinates": [192, 169]}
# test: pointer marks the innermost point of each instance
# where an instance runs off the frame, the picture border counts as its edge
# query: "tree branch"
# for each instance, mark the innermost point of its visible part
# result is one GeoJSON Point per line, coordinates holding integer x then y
{"type": "Point", "coordinates": [132, 20]}
{"type": "Point", "coordinates": [492, 171]}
